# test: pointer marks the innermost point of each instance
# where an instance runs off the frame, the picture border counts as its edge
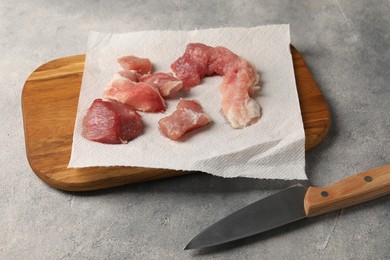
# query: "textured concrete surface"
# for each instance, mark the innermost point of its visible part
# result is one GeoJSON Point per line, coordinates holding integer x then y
{"type": "Point", "coordinates": [347, 47]}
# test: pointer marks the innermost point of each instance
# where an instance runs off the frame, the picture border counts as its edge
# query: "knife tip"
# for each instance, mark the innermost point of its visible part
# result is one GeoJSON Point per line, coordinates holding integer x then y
{"type": "Point", "coordinates": [187, 247]}
{"type": "Point", "coordinates": [192, 245]}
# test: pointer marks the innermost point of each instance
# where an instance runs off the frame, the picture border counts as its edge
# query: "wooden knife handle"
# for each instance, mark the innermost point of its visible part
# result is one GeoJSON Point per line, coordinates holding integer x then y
{"type": "Point", "coordinates": [358, 188]}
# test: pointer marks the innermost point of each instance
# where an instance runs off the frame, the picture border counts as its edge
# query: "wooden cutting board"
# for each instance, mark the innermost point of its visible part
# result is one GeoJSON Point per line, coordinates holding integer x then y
{"type": "Point", "coordinates": [49, 101]}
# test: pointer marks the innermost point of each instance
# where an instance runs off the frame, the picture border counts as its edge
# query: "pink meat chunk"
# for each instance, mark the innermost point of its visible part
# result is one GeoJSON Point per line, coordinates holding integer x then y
{"type": "Point", "coordinates": [166, 83]}
{"type": "Point", "coordinates": [240, 80]}
{"type": "Point", "coordinates": [193, 65]}
{"type": "Point", "coordinates": [188, 116]}
{"type": "Point", "coordinates": [140, 65]}
{"type": "Point", "coordinates": [139, 95]}
{"type": "Point", "coordinates": [111, 122]}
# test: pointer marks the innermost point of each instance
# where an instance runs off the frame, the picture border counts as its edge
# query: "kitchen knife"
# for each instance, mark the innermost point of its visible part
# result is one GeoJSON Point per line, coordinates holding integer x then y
{"type": "Point", "coordinates": [294, 203]}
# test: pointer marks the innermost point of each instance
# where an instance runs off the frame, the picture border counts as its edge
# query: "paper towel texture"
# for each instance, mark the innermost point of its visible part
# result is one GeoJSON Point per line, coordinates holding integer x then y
{"type": "Point", "coordinates": [273, 148]}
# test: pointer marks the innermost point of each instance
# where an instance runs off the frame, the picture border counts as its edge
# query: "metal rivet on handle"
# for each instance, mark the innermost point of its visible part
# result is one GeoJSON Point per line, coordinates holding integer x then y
{"type": "Point", "coordinates": [324, 194]}
{"type": "Point", "coordinates": [368, 179]}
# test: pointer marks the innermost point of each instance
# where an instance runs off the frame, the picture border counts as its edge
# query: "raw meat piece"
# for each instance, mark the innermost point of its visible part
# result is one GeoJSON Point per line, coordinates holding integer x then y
{"type": "Point", "coordinates": [188, 116]}
{"type": "Point", "coordinates": [141, 65]}
{"type": "Point", "coordinates": [166, 83]}
{"type": "Point", "coordinates": [130, 74]}
{"type": "Point", "coordinates": [193, 65]}
{"type": "Point", "coordinates": [240, 80]}
{"type": "Point", "coordinates": [111, 122]}
{"type": "Point", "coordinates": [238, 107]}
{"type": "Point", "coordinates": [141, 96]}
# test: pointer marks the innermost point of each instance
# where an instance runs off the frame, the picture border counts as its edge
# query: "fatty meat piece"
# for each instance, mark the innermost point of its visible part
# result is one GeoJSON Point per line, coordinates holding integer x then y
{"type": "Point", "coordinates": [238, 107]}
{"type": "Point", "coordinates": [188, 116]}
{"type": "Point", "coordinates": [139, 95]}
{"type": "Point", "coordinates": [111, 122]}
{"type": "Point", "coordinates": [240, 81]}
{"type": "Point", "coordinates": [140, 65]}
{"type": "Point", "coordinates": [166, 83]}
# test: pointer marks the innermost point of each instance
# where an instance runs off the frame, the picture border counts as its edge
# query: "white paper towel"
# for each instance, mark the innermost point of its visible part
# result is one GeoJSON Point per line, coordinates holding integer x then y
{"type": "Point", "coordinates": [273, 148]}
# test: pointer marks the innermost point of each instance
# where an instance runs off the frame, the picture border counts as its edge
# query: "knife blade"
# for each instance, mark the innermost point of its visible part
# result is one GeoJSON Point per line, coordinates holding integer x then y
{"type": "Point", "coordinates": [292, 204]}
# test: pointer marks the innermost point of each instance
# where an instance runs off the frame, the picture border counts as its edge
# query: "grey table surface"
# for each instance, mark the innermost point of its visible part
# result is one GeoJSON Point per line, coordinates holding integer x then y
{"type": "Point", "coordinates": [346, 44]}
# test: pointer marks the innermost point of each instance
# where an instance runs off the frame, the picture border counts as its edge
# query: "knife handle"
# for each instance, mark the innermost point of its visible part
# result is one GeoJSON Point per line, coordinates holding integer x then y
{"type": "Point", "coordinates": [355, 189]}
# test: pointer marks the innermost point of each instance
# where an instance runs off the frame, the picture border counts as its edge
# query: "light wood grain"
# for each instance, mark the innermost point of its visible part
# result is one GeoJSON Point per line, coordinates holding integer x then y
{"type": "Point", "coordinates": [356, 189]}
{"type": "Point", "coordinates": [49, 101]}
